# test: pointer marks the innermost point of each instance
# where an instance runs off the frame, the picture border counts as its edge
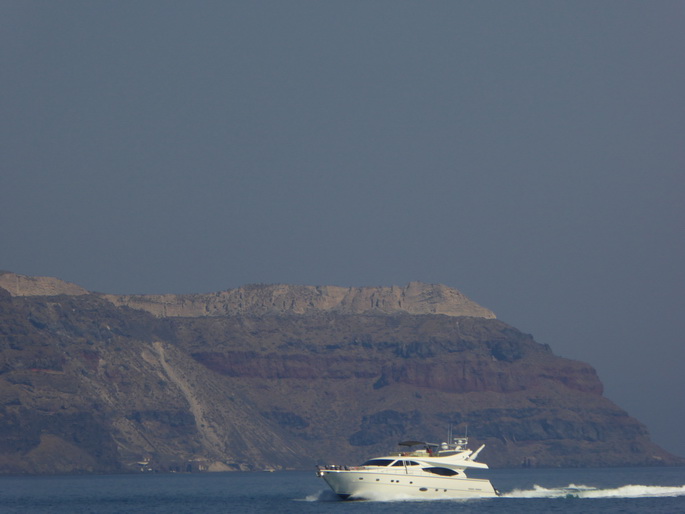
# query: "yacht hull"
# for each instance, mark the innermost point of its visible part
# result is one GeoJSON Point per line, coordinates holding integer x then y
{"type": "Point", "coordinates": [368, 485]}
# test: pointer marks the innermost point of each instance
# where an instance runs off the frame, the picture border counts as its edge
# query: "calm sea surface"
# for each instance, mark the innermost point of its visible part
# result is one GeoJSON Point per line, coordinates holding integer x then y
{"type": "Point", "coordinates": [614, 490]}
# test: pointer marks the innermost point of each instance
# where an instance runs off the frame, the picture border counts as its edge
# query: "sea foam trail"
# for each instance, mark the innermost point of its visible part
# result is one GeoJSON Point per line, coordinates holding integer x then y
{"type": "Point", "coordinates": [582, 491]}
{"type": "Point", "coordinates": [325, 495]}
{"type": "Point", "coordinates": [571, 490]}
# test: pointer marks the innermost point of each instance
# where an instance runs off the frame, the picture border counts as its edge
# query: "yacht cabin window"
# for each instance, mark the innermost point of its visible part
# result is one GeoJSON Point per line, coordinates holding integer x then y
{"type": "Point", "coordinates": [445, 472]}
{"type": "Point", "coordinates": [405, 463]}
{"type": "Point", "coordinates": [378, 462]}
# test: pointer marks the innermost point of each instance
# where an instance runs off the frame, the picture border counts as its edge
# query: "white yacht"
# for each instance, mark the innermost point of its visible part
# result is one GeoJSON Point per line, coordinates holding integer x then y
{"type": "Point", "coordinates": [432, 472]}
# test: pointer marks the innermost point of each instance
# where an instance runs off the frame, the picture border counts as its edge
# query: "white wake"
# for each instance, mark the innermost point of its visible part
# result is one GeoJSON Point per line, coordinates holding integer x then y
{"type": "Point", "coordinates": [583, 491]}
{"type": "Point", "coordinates": [325, 495]}
{"type": "Point", "coordinates": [569, 491]}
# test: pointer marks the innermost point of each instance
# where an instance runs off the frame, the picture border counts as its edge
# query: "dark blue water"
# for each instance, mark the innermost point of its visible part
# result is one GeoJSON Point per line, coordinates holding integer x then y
{"type": "Point", "coordinates": [624, 490]}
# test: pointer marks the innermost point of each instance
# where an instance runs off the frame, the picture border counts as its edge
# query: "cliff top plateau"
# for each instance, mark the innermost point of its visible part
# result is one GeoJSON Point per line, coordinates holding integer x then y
{"type": "Point", "coordinates": [260, 300]}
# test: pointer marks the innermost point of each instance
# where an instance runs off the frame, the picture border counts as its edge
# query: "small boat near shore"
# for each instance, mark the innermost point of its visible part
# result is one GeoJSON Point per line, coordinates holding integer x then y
{"type": "Point", "coordinates": [432, 472]}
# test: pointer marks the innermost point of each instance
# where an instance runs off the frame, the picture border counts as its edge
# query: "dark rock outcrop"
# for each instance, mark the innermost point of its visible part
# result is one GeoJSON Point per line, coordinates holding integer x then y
{"type": "Point", "coordinates": [92, 385]}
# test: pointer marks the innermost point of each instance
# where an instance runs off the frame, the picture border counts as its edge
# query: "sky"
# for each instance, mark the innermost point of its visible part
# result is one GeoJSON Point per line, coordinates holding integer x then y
{"type": "Point", "coordinates": [530, 154]}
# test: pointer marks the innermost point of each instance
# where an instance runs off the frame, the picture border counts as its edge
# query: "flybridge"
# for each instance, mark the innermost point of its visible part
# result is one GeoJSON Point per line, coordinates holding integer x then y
{"type": "Point", "coordinates": [454, 455]}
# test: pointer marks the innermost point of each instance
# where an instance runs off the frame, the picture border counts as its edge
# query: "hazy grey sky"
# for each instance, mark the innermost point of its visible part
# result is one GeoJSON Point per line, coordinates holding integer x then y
{"type": "Point", "coordinates": [530, 154]}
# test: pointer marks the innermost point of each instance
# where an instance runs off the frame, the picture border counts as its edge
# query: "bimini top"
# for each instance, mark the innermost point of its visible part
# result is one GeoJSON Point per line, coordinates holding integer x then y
{"type": "Point", "coordinates": [416, 443]}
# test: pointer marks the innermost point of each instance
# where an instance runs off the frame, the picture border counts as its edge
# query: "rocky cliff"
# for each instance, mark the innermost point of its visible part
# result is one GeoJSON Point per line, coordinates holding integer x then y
{"type": "Point", "coordinates": [261, 300]}
{"type": "Point", "coordinates": [286, 377]}
{"type": "Point", "coordinates": [22, 285]}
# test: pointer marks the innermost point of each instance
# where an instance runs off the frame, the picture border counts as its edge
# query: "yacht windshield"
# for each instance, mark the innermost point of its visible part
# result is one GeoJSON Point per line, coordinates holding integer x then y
{"type": "Point", "coordinates": [378, 462]}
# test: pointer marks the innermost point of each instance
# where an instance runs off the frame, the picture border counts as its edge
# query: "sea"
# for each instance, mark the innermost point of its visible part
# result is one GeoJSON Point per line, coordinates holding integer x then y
{"type": "Point", "coordinates": [608, 490]}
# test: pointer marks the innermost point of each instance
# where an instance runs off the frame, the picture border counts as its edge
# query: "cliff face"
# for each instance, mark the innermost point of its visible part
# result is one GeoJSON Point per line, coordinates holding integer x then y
{"type": "Point", "coordinates": [90, 384]}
